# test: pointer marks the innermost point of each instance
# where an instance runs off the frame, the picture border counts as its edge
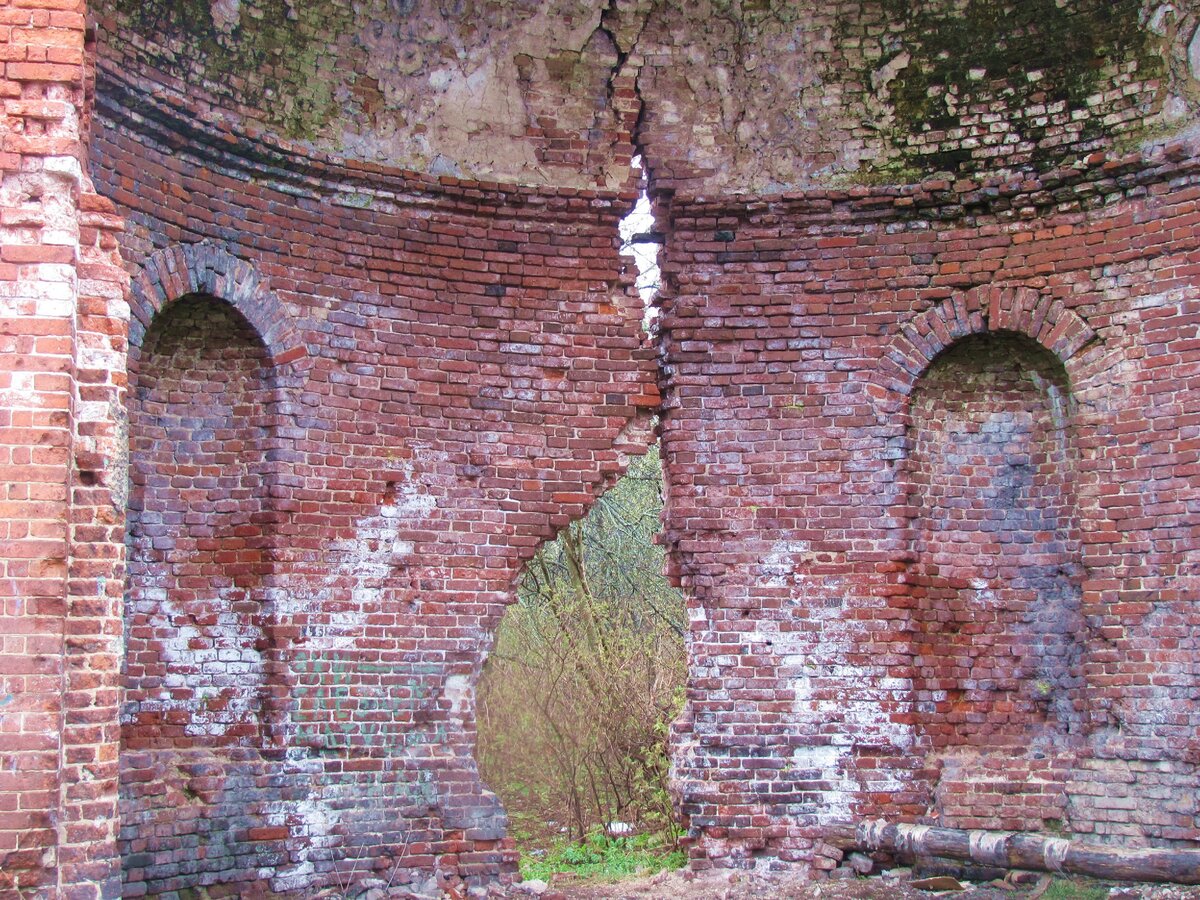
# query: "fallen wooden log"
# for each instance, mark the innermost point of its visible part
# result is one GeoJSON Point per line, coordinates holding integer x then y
{"type": "Point", "coordinates": [1021, 850]}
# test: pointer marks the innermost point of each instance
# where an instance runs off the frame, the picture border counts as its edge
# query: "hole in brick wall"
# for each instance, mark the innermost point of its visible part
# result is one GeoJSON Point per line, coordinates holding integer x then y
{"type": "Point", "coordinates": [996, 581]}
{"type": "Point", "coordinates": [586, 675]}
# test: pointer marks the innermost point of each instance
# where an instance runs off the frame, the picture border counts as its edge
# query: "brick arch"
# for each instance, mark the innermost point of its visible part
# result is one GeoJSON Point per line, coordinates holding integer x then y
{"type": "Point", "coordinates": [985, 309]}
{"type": "Point", "coordinates": [203, 268]}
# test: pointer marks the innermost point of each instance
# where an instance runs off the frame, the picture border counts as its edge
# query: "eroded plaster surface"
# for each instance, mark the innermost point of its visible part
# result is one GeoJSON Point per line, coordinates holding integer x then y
{"type": "Point", "coordinates": [719, 95]}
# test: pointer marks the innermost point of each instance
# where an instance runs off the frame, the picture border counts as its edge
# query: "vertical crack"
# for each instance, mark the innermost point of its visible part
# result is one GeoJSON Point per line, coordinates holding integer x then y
{"type": "Point", "coordinates": [640, 237]}
{"type": "Point", "coordinates": [641, 240]}
{"type": "Point", "coordinates": [628, 112]}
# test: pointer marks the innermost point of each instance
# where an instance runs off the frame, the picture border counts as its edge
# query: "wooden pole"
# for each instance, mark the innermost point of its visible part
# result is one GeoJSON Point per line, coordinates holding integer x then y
{"type": "Point", "coordinates": [1022, 850]}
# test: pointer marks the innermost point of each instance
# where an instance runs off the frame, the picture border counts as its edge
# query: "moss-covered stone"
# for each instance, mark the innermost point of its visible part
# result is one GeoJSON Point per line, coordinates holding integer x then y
{"type": "Point", "coordinates": [877, 175]}
{"type": "Point", "coordinates": [992, 44]}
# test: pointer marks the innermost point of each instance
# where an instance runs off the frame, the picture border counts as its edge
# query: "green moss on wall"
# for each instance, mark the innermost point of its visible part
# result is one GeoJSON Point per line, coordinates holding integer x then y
{"type": "Point", "coordinates": [1008, 39]}
{"type": "Point", "coordinates": [1015, 52]}
{"type": "Point", "coordinates": [878, 175]}
{"type": "Point", "coordinates": [278, 59]}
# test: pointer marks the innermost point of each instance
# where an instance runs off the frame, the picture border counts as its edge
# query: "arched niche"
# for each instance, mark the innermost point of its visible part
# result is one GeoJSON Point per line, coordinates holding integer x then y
{"type": "Point", "coordinates": [213, 359]}
{"type": "Point", "coordinates": [201, 426]}
{"type": "Point", "coordinates": [994, 578]}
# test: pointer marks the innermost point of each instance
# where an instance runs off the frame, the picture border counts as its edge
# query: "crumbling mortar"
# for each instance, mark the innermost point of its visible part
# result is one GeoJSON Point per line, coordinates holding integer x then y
{"type": "Point", "coordinates": [1005, 199]}
{"type": "Point", "coordinates": [926, 213]}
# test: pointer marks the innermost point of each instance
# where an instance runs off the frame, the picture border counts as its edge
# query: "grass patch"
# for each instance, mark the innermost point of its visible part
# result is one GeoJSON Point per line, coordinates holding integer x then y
{"type": "Point", "coordinates": [601, 858]}
{"type": "Point", "coordinates": [1064, 889]}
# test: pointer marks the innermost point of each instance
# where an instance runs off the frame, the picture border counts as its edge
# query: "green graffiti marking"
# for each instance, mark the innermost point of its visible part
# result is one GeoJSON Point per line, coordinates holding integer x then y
{"type": "Point", "coordinates": [345, 704]}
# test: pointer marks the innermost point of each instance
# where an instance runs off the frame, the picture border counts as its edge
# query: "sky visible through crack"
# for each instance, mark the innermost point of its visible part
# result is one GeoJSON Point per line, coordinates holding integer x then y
{"type": "Point", "coordinates": [638, 239]}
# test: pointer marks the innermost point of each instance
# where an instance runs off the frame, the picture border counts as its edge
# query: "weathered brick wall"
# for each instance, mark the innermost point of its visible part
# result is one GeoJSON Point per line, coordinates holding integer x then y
{"type": "Point", "coordinates": [928, 455]}
{"type": "Point", "coordinates": [995, 571]}
{"type": "Point", "coordinates": [535, 93]}
{"type": "Point", "coordinates": [951, 586]}
{"type": "Point", "coordinates": [763, 96]}
{"type": "Point", "coordinates": [197, 645]}
{"type": "Point", "coordinates": [62, 336]}
{"type": "Point", "coordinates": [87, 824]}
{"type": "Point", "coordinates": [356, 409]}
{"type": "Point", "coordinates": [199, 526]}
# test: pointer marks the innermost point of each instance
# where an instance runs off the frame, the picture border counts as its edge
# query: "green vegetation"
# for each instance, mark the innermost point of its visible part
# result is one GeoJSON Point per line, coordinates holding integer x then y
{"type": "Point", "coordinates": [1137, 138]}
{"type": "Point", "coordinates": [964, 56]}
{"type": "Point", "coordinates": [892, 172]}
{"type": "Point", "coordinates": [1075, 889]}
{"type": "Point", "coordinates": [1004, 40]}
{"type": "Point", "coordinates": [604, 858]}
{"type": "Point", "coordinates": [587, 674]}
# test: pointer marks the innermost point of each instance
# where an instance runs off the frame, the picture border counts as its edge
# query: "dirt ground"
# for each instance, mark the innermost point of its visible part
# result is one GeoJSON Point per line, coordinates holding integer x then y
{"type": "Point", "coordinates": [745, 886]}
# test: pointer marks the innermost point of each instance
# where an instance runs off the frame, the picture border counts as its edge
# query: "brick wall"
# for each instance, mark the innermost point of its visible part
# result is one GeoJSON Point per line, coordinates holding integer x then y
{"type": "Point", "coordinates": [496, 92]}
{"type": "Point", "coordinates": [720, 97]}
{"type": "Point", "coordinates": [768, 96]}
{"type": "Point", "coordinates": [356, 410]}
{"type": "Point", "coordinates": [927, 454]}
{"type": "Point", "coordinates": [200, 517]}
{"type": "Point", "coordinates": [995, 574]}
{"type": "Point", "coordinates": [931, 457]}
{"type": "Point", "coordinates": [61, 375]}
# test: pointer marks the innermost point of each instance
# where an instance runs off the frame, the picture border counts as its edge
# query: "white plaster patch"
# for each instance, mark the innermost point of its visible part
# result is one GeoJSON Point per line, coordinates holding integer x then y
{"type": "Point", "coordinates": [829, 764]}
{"type": "Point", "coordinates": [863, 715]}
{"type": "Point", "coordinates": [1159, 705]}
{"type": "Point", "coordinates": [1159, 19]}
{"type": "Point", "coordinates": [459, 692]}
{"type": "Point", "coordinates": [779, 565]}
{"type": "Point", "coordinates": [366, 561]}
{"type": "Point", "coordinates": [1175, 108]}
{"type": "Point", "coordinates": [64, 166]}
{"type": "Point", "coordinates": [295, 877]}
{"type": "Point", "coordinates": [865, 698]}
{"type": "Point", "coordinates": [21, 394]}
{"type": "Point", "coordinates": [216, 668]}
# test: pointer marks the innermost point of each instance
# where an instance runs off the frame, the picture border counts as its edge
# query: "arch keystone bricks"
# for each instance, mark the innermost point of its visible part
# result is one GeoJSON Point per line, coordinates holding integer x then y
{"type": "Point", "coordinates": [984, 309]}
{"type": "Point", "coordinates": [204, 268]}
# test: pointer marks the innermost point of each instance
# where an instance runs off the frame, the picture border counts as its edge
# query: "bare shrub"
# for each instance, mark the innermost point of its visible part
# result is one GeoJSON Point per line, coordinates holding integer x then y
{"type": "Point", "coordinates": [588, 671]}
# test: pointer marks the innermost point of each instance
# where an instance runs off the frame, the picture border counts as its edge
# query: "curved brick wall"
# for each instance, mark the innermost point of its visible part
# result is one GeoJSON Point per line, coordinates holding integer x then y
{"type": "Point", "coordinates": [201, 671]}
{"type": "Point", "coordinates": [995, 577]}
{"type": "Point", "coordinates": [467, 370]}
{"type": "Point", "coordinates": [535, 93]}
{"type": "Point", "coordinates": [718, 97]}
{"type": "Point", "coordinates": [762, 96]}
{"type": "Point", "coordinates": [454, 368]}
{"type": "Point", "coordinates": [199, 532]}
{"type": "Point", "coordinates": [820, 345]}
